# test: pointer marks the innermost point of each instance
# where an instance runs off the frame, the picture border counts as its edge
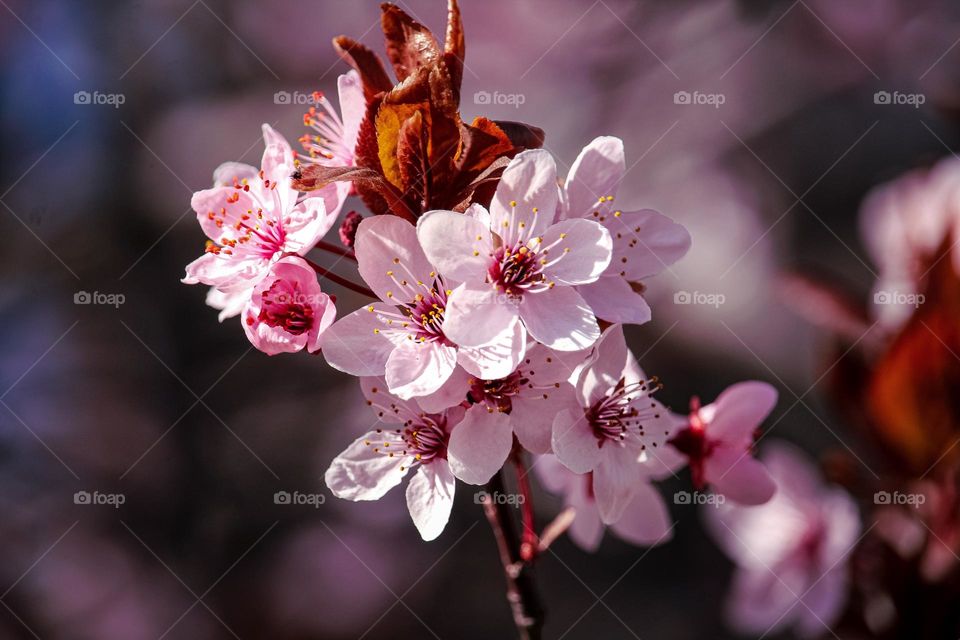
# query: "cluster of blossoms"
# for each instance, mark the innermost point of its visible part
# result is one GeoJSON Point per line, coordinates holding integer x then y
{"type": "Point", "coordinates": [497, 298]}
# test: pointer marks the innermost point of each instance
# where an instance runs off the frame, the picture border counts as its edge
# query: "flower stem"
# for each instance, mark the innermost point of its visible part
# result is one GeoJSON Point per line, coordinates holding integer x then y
{"type": "Point", "coordinates": [343, 282]}
{"type": "Point", "coordinates": [334, 249]}
{"type": "Point", "coordinates": [529, 542]}
{"type": "Point", "coordinates": [528, 614]}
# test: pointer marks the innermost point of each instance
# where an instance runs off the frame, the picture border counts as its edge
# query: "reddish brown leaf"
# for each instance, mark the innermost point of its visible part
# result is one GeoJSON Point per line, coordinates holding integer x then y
{"type": "Point", "coordinates": [455, 47]}
{"type": "Point", "coordinates": [367, 63]}
{"type": "Point", "coordinates": [390, 119]}
{"type": "Point", "coordinates": [523, 136]}
{"type": "Point", "coordinates": [412, 160]}
{"type": "Point", "coordinates": [410, 45]}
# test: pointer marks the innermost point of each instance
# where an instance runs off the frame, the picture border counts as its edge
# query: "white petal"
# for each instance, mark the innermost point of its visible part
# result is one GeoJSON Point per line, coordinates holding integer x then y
{"type": "Point", "coordinates": [360, 473]}
{"type": "Point", "coordinates": [352, 345]}
{"type": "Point", "coordinates": [527, 195]}
{"type": "Point", "coordinates": [458, 245]}
{"type": "Point", "coordinates": [419, 368]}
{"type": "Point", "coordinates": [579, 252]}
{"type": "Point", "coordinates": [574, 443]}
{"type": "Point", "coordinates": [612, 299]}
{"type": "Point", "coordinates": [595, 173]}
{"type": "Point", "coordinates": [390, 259]}
{"type": "Point", "coordinates": [645, 521]}
{"type": "Point", "coordinates": [615, 481]}
{"type": "Point", "coordinates": [497, 359]}
{"type": "Point", "coordinates": [430, 498]}
{"type": "Point", "coordinates": [479, 445]}
{"type": "Point", "coordinates": [476, 316]}
{"type": "Point", "coordinates": [560, 319]}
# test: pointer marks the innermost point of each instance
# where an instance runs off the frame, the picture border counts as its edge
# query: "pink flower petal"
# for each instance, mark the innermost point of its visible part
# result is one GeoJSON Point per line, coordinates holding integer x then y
{"type": "Point", "coordinates": [499, 358]}
{"type": "Point", "coordinates": [359, 473]}
{"type": "Point", "coordinates": [580, 252]}
{"type": "Point", "coordinates": [458, 245]}
{"type": "Point", "coordinates": [352, 346]}
{"type": "Point", "coordinates": [645, 521]}
{"type": "Point", "coordinates": [479, 445]}
{"type": "Point", "coordinates": [605, 367]}
{"type": "Point", "coordinates": [615, 480]}
{"type": "Point", "coordinates": [308, 222]}
{"type": "Point", "coordinates": [738, 476]}
{"type": "Point", "coordinates": [739, 410]}
{"type": "Point", "coordinates": [450, 393]}
{"type": "Point", "coordinates": [645, 243]}
{"type": "Point", "coordinates": [532, 415]}
{"type": "Point", "coordinates": [390, 259]}
{"type": "Point", "coordinates": [529, 182]}
{"type": "Point", "coordinates": [612, 299]}
{"type": "Point", "coordinates": [574, 443]}
{"type": "Point", "coordinates": [353, 106]}
{"type": "Point", "coordinates": [595, 173]}
{"type": "Point", "coordinates": [559, 319]}
{"type": "Point", "coordinates": [430, 498]}
{"type": "Point", "coordinates": [419, 368]}
{"type": "Point", "coordinates": [587, 528]}
{"type": "Point", "coordinates": [477, 316]}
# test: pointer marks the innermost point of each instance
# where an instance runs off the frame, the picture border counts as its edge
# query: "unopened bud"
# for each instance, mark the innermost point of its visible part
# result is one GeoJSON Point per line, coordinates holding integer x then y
{"type": "Point", "coordinates": [348, 229]}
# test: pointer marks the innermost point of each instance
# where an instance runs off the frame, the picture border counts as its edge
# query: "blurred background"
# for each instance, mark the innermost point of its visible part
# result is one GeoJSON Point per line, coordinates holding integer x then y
{"type": "Point", "coordinates": [758, 125]}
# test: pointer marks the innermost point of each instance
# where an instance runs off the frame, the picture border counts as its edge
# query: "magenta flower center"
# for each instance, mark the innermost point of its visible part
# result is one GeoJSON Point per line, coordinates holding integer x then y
{"type": "Point", "coordinates": [284, 305]}
{"type": "Point", "coordinates": [426, 312]}
{"type": "Point", "coordinates": [616, 415]}
{"type": "Point", "coordinates": [423, 439]}
{"type": "Point", "coordinates": [498, 394]}
{"type": "Point", "coordinates": [516, 271]}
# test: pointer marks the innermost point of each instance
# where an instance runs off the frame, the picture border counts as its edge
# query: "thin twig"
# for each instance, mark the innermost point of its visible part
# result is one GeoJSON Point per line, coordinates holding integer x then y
{"type": "Point", "coordinates": [528, 614]}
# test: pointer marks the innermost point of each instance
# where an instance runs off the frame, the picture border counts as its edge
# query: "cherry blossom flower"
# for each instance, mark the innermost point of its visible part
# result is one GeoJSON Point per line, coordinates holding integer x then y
{"type": "Point", "coordinates": [287, 311]}
{"type": "Point", "coordinates": [516, 264]}
{"type": "Point", "coordinates": [790, 553]}
{"type": "Point", "coordinates": [334, 140]}
{"type": "Point", "coordinates": [718, 439]}
{"type": "Point", "coordinates": [645, 520]}
{"type": "Point", "coordinates": [404, 337]}
{"type": "Point", "coordinates": [377, 461]}
{"type": "Point", "coordinates": [522, 403]}
{"type": "Point", "coordinates": [644, 242]}
{"type": "Point", "coordinates": [617, 430]}
{"type": "Point", "coordinates": [253, 217]}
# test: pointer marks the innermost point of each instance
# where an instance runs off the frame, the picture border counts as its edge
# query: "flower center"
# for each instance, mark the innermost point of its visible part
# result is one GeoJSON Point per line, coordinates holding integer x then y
{"type": "Point", "coordinates": [423, 439]}
{"type": "Point", "coordinates": [619, 415]}
{"type": "Point", "coordinates": [286, 306]}
{"type": "Point", "coordinates": [498, 394]}
{"type": "Point", "coordinates": [514, 271]}
{"type": "Point", "coordinates": [250, 232]}
{"type": "Point", "coordinates": [426, 312]}
{"type": "Point", "coordinates": [420, 308]}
